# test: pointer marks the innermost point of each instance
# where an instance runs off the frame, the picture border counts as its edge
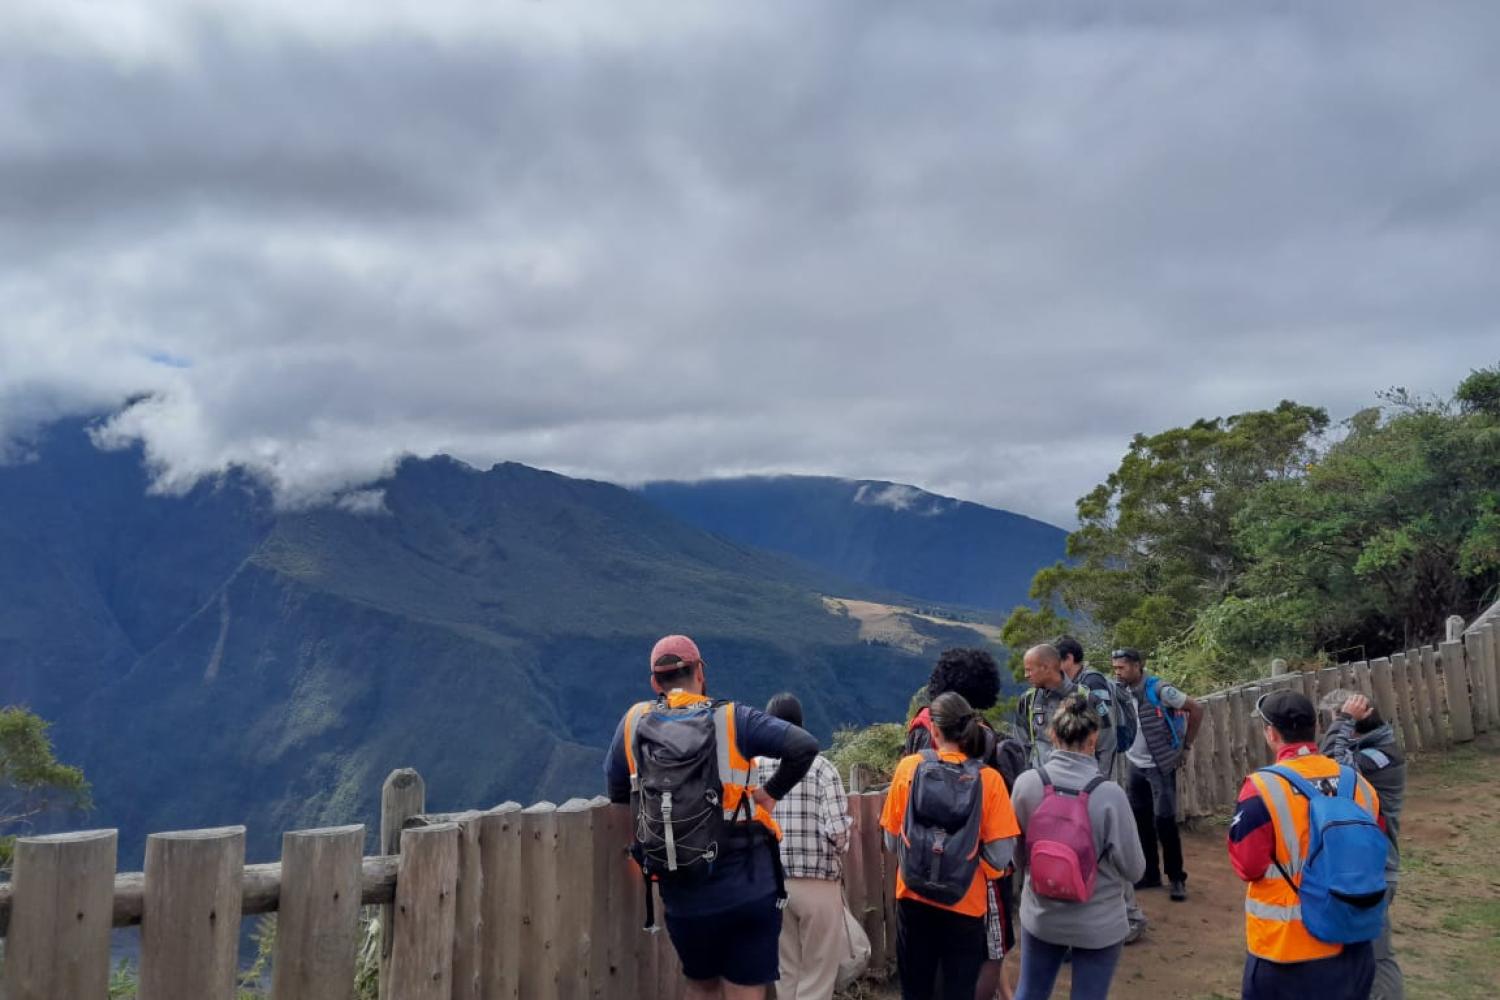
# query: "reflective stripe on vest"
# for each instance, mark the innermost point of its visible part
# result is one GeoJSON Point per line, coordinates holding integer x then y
{"type": "Point", "coordinates": [1273, 915]}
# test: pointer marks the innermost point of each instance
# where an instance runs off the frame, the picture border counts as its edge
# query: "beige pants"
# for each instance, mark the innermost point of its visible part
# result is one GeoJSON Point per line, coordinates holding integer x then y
{"type": "Point", "coordinates": [813, 939]}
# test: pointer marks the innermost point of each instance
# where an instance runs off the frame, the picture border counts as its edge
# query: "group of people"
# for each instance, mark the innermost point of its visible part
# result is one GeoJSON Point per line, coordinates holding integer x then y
{"type": "Point", "coordinates": [741, 825]}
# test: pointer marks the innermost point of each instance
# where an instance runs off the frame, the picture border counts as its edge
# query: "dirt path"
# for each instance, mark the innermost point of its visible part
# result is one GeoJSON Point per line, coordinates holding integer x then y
{"type": "Point", "coordinates": [1446, 918]}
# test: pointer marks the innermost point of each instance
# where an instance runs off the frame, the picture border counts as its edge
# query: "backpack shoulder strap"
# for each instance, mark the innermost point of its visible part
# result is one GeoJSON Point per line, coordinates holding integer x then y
{"type": "Point", "coordinates": [1292, 778]}
{"type": "Point", "coordinates": [632, 718]}
{"type": "Point", "coordinates": [1097, 780]}
{"type": "Point", "coordinates": [1046, 778]}
{"type": "Point", "coordinates": [1348, 782]}
{"type": "Point", "coordinates": [929, 755]}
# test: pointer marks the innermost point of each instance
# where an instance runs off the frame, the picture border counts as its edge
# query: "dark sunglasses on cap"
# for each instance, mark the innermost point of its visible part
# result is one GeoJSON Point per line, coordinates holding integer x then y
{"type": "Point", "coordinates": [1126, 654]}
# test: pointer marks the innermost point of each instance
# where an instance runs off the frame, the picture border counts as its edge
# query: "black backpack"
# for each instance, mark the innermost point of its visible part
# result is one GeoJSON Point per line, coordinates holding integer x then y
{"type": "Point", "coordinates": [676, 796]}
{"type": "Point", "coordinates": [940, 832]}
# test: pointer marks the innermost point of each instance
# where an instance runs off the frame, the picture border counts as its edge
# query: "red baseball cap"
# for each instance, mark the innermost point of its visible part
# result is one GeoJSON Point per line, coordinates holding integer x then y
{"type": "Point", "coordinates": [679, 647]}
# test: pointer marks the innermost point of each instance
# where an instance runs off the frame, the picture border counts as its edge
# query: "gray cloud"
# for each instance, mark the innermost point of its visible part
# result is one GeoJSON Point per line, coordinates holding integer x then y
{"type": "Point", "coordinates": [972, 246]}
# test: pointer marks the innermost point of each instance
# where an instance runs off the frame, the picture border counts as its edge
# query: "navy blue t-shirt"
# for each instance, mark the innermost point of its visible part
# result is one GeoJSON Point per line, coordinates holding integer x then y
{"type": "Point", "coordinates": [745, 873]}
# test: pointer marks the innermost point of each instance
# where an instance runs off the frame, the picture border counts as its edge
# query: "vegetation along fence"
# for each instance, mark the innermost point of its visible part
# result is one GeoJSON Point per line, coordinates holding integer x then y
{"type": "Point", "coordinates": [540, 902]}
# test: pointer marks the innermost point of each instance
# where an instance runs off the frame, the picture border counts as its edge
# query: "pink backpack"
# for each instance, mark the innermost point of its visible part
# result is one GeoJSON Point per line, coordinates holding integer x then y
{"type": "Point", "coordinates": [1061, 843]}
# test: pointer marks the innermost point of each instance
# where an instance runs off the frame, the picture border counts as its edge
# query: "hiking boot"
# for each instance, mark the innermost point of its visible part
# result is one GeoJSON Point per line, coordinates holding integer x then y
{"type": "Point", "coordinates": [1136, 932]}
{"type": "Point", "coordinates": [1179, 890]}
{"type": "Point", "coordinates": [1149, 882]}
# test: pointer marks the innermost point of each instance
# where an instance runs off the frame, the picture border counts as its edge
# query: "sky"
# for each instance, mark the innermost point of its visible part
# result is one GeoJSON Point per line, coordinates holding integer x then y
{"type": "Point", "coordinates": [973, 245]}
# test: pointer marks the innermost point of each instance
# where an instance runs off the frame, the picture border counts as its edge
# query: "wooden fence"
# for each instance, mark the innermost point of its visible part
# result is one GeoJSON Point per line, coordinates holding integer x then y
{"type": "Point", "coordinates": [1433, 696]}
{"type": "Point", "coordinates": [542, 902]}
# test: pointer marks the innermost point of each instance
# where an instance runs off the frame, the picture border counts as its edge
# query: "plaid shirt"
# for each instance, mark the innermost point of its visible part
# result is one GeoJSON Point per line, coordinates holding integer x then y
{"type": "Point", "coordinates": [814, 821]}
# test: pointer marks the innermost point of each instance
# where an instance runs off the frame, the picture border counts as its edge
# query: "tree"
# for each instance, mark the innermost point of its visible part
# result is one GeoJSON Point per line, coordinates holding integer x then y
{"type": "Point", "coordinates": [1156, 541]}
{"type": "Point", "coordinates": [1394, 527]}
{"type": "Point", "coordinates": [32, 782]}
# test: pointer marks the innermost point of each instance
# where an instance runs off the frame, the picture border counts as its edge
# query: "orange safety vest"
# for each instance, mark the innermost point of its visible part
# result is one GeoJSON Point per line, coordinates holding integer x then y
{"type": "Point", "coordinates": [737, 773]}
{"type": "Point", "coordinates": [1273, 914]}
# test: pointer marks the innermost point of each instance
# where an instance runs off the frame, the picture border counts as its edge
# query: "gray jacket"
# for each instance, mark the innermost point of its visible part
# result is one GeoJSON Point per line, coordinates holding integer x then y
{"type": "Point", "coordinates": [1100, 921]}
{"type": "Point", "coordinates": [1377, 757]}
{"type": "Point", "coordinates": [1033, 719]}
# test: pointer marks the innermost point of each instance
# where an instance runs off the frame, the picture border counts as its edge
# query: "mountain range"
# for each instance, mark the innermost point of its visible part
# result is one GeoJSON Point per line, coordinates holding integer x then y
{"type": "Point", "coordinates": [887, 535]}
{"type": "Point", "coordinates": [210, 658]}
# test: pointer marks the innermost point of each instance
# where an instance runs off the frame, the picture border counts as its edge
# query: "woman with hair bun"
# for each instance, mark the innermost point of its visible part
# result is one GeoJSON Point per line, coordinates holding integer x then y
{"type": "Point", "coordinates": [949, 820]}
{"type": "Point", "coordinates": [1083, 851]}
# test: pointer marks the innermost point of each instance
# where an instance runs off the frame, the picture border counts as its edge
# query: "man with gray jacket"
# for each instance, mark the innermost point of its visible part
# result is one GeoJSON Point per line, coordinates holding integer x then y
{"type": "Point", "coordinates": [1356, 736]}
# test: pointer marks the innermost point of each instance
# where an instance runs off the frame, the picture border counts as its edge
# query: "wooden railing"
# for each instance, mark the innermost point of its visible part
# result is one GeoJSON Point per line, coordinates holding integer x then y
{"type": "Point", "coordinates": [1433, 696]}
{"type": "Point", "coordinates": [542, 902]}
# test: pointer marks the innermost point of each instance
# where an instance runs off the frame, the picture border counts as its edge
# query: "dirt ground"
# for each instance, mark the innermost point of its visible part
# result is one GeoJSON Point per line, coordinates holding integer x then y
{"type": "Point", "coordinates": [1446, 917]}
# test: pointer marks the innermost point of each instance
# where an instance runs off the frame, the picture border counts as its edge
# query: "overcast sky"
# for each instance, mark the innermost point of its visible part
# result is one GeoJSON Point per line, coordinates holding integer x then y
{"type": "Point", "coordinates": [968, 245]}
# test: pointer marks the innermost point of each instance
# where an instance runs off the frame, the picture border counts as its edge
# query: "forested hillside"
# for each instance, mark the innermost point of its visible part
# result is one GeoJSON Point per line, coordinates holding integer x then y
{"type": "Point", "coordinates": [1217, 546]}
{"type": "Point", "coordinates": [210, 659]}
{"type": "Point", "coordinates": [888, 535]}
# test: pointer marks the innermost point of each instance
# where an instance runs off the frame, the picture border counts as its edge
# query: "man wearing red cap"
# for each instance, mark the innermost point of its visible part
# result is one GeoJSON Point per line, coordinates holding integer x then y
{"type": "Point", "coordinates": [702, 819]}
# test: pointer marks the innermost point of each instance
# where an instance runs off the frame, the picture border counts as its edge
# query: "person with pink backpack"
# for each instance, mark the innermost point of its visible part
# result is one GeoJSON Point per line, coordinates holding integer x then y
{"type": "Point", "coordinates": [1081, 850]}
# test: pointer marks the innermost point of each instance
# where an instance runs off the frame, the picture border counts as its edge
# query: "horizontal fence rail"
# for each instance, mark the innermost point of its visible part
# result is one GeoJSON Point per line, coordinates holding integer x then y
{"type": "Point", "coordinates": [542, 902]}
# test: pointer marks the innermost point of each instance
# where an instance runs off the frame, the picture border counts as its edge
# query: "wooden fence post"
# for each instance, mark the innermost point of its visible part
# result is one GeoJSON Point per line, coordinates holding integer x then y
{"type": "Point", "coordinates": [1491, 632]}
{"type": "Point", "coordinates": [402, 796]}
{"type": "Point", "coordinates": [1474, 656]}
{"type": "Point", "coordinates": [62, 904]}
{"type": "Point", "coordinates": [1411, 737]}
{"type": "Point", "coordinates": [539, 926]}
{"type": "Point", "coordinates": [468, 910]}
{"type": "Point", "coordinates": [1385, 688]}
{"type": "Point", "coordinates": [575, 898]}
{"type": "Point", "coordinates": [1364, 681]}
{"type": "Point", "coordinates": [190, 918]}
{"type": "Point", "coordinates": [500, 861]}
{"type": "Point", "coordinates": [1434, 685]}
{"type": "Point", "coordinates": [1455, 628]}
{"type": "Point", "coordinates": [317, 924]}
{"type": "Point", "coordinates": [1278, 667]}
{"type": "Point", "coordinates": [871, 899]}
{"type": "Point", "coordinates": [421, 966]}
{"type": "Point", "coordinates": [617, 909]}
{"type": "Point", "coordinates": [1416, 678]}
{"type": "Point", "coordinates": [1456, 683]}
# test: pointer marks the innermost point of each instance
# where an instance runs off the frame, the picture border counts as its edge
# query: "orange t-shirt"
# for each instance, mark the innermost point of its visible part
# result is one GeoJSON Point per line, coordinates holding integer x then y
{"type": "Point", "coordinates": [996, 822]}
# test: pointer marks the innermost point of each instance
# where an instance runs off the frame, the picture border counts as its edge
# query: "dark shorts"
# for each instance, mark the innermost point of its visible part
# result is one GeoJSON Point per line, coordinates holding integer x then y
{"type": "Point", "coordinates": [1349, 975]}
{"type": "Point", "coordinates": [739, 945]}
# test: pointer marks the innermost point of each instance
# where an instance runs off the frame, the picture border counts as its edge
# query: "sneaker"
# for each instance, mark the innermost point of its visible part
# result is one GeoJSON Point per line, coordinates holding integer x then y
{"type": "Point", "coordinates": [1137, 930]}
{"type": "Point", "coordinates": [1149, 882]}
{"type": "Point", "coordinates": [1179, 890]}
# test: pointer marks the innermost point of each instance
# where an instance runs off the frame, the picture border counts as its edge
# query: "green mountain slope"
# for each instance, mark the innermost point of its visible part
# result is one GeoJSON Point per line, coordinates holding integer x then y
{"type": "Point", "coordinates": [210, 660]}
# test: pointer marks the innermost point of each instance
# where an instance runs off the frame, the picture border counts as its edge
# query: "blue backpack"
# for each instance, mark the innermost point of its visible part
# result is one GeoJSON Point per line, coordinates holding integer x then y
{"type": "Point", "coordinates": [1342, 893]}
{"type": "Point", "coordinates": [1176, 719]}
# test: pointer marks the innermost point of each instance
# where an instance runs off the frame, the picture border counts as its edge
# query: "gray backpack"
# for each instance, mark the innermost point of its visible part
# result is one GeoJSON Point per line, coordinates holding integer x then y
{"type": "Point", "coordinates": [939, 848]}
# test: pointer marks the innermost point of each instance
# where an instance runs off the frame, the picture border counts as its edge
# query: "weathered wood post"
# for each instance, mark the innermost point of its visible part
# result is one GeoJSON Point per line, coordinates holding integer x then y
{"type": "Point", "coordinates": [421, 965]}
{"type": "Point", "coordinates": [62, 903]}
{"type": "Point", "coordinates": [402, 796]}
{"type": "Point", "coordinates": [538, 895]}
{"type": "Point", "coordinates": [1416, 678]}
{"type": "Point", "coordinates": [575, 898]}
{"type": "Point", "coordinates": [871, 899]}
{"type": "Point", "coordinates": [1455, 625]}
{"type": "Point", "coordinates": [1456, 683]}
{"type": "Point", "coordinates": [617, 908]}
{"type": "Point", "coordinates": [500, 859]}
{"type": "Point", "coordinates": [1278, 667]}
{"type": "Point", "coordinates": [317, 926]}
{"type": "Point", "coordinates": [1490, 629]}
{"type": "Point", "coordinates": [1411, 737]}
{"type": "Point", "coordinates": [1474, 656]}
{"type": "Point", "coordinates": [190, 918]}
{"type": "Point", "coordinates": [1434, 685]}
{"type": "Point", "coordinates": [1385, 688]}
{"type": "Point", "coordinates": [468, 910]}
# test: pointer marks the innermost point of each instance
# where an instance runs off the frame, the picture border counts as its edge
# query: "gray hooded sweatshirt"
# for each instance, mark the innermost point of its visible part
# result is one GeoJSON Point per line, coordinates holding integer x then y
{"type": "Point", "coordinates": [1099, 922]}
